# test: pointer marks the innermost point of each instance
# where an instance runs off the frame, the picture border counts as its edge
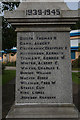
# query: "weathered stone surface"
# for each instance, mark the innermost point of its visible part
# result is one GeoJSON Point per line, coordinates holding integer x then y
{"type": "Point", "coordinates": [43, 78]}
{"type": "Point", "coordinates": [54, 111]}
{"type": "Point", "coordinates": [42, 59]}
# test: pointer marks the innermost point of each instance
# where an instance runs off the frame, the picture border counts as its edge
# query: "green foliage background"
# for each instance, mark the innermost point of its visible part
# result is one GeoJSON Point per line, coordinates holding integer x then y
{"type": "Point", "coordinates": [9, 36]}
{"type": "Point", "coordinates": [76, 63]}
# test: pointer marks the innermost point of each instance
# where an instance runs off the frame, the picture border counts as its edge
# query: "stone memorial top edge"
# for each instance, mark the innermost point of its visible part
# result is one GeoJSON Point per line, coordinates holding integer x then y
{"type": "Point", "coordinates": [38, 9]}
{"type": "Point", "coordinates": [42, 0]}
{"type": "Point", "coordinates": [60, 4]}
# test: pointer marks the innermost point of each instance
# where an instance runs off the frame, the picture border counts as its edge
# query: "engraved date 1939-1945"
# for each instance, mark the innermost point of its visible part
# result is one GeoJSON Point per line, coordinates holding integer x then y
{"type": "Point", "coordinates": [52, 12]}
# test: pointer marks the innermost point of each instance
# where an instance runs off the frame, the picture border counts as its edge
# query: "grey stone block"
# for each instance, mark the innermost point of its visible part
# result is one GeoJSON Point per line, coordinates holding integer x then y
{"type": "Point", "coordinates": [56, 111]}
{"type": "Point", "coordinates": [43, 77]}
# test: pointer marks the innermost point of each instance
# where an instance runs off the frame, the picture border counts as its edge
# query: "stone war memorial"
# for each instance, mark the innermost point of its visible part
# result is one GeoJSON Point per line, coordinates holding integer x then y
{"type": "Point", "coordinates": [43, 76]}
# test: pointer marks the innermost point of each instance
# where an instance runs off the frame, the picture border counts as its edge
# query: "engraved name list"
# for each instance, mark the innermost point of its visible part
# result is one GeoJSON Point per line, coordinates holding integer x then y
{"type": "Point", "coordinates": [40, 56]}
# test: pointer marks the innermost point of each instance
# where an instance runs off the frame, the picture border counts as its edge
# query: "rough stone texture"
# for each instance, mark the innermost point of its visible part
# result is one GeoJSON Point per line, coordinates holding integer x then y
{"type": "Point", "coordinates": [47, 111]}
{"type": "Point", "coordinates": [8, 96]}
{"type": "Point", "coordinates": [43, 1]}
{"type": "Point", "coordinates": [61, 89]}
{"type": "Point", "coordinates": [41, 5]}
{"type": "Point", "coordinates": [21, 11]}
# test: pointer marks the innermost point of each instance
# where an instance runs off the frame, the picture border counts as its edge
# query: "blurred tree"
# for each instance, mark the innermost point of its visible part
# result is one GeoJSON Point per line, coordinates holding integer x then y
{"type": "Point", "coordinates": [10, 5]}
{"type": "Point", "coordinates": [77, 25]}
{"type": "Point", "coordinates": [8, 32]}
{"type": "Point", "coordinates": [79, 48]}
